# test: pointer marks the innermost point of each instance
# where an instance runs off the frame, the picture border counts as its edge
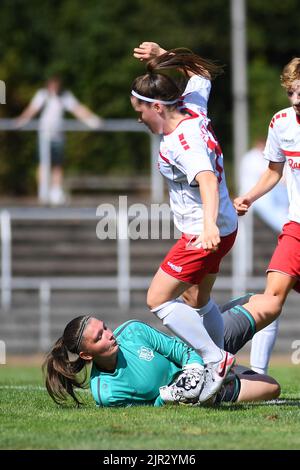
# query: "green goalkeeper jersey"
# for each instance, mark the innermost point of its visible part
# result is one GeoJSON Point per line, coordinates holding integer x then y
{"type": "Point", "coordinates": [147, 360]}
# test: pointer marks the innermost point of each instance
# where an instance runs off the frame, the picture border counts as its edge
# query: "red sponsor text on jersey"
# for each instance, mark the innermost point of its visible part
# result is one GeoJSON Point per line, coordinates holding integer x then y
{"type": "Point", "coordinates": [295, 154]}
{"type": "Point", "coordinates": [293, 165]}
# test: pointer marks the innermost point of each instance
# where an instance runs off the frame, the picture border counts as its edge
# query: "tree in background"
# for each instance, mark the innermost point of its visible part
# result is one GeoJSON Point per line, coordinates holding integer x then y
{"type": "Point", "coordinates": [91, 44]}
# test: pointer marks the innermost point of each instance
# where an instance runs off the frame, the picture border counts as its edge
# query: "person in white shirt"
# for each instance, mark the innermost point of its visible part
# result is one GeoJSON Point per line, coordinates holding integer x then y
{"type": "Point", "coordinates": [272, 209]}
{"type": "Point", "coordinates": [282, 147]}
{"type": "Point", "coordinates": [191, 160]}
{"type": "Point", "coordinates": [52, 102]}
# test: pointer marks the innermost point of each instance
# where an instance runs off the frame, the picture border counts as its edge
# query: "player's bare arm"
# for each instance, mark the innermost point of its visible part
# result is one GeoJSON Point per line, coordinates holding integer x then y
{"type": "Point", "coordinates": [208, 186]}
{"type": "Point", "coordinates": [147, 51]}
{"type": "Point", "coordinates": [268, 180]}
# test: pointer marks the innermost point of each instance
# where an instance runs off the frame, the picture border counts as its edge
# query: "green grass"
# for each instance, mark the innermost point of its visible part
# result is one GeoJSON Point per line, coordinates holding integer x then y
{"type": "Point", "coordinates": [30, 420]}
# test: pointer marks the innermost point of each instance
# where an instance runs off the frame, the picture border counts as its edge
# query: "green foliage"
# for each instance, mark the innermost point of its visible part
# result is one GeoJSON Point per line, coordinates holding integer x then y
{"type": "Point", "coordinates": [266, 96]}
{"type": "Point", "coordinates": [91, 45]}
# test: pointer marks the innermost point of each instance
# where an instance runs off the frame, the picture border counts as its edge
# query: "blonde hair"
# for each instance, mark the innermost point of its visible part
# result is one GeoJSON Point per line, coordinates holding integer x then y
{"type": "Point", "coordinates": [290, 73]}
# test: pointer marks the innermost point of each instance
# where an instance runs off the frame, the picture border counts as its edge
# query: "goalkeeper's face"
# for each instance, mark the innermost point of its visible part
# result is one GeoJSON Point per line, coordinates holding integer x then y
{"type": "Point", "coordinates": [99, 342]}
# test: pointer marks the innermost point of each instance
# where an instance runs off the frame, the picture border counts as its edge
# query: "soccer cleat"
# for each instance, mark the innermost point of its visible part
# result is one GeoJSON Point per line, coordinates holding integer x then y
{"type": "Point", "coordinates": [169, 394]}
{"type": "Point", "coordinates": [186, 388]}
{"type": "Point", "coordinates": [215, 375]}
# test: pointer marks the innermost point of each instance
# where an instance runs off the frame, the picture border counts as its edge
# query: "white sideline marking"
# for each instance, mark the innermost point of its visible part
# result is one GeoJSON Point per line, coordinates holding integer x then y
{"type": "Point", "coordinates": [32, 388]}
{"type": "Point", "coordinates": [23, 387]}
{"type": "Point", "coordinates": [279, 402]}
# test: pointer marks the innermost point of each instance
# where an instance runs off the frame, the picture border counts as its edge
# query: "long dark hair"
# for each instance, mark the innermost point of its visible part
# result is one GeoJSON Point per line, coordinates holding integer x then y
{"type": "Point", "coordinates": [155, 84]}
{"type": "Point", "coordinates": [59, 369]}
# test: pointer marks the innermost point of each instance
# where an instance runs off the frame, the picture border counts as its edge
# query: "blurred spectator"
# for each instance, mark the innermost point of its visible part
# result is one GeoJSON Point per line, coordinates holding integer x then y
{"type": "Point", "coordinates": [52, 101]}
{"type": "Point", "coordinates": [275, 202]}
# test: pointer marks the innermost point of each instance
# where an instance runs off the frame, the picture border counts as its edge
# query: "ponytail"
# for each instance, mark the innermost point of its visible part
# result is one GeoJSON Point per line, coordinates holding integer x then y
{"type": "Point", "coordinates": [185, 60]}
{"type": "Point", "coordinates": [61, 372]}
{"type": "Point", "coordinates": [157, 84]}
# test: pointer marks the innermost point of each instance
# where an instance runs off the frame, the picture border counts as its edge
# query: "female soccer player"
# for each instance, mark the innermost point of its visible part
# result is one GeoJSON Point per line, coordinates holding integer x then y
{"type": "Point", "coordinates": [282, 146]}
{"type": "Point", "coordinates": [138, 365]}
{"type": "Point", "coordinates": [191, 160]}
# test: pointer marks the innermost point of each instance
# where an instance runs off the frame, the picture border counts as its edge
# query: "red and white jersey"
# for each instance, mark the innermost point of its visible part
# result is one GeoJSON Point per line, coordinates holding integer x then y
{"type": "Point", "coordinates": [191, 148]}
{"type": "Point", "coordinates": [196, 94]}
{"type": "Point", "coordinates": [283, 145]}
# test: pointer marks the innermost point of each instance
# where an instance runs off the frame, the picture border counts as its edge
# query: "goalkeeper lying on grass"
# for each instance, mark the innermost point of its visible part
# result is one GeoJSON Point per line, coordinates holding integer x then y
{"type": "Point", "coordinates": [139, 365]}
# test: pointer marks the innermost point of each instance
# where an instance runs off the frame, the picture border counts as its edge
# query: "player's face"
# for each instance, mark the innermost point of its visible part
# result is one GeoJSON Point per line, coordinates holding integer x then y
{"type": "Point", "coordinates": [148, 115]}
{"type": "Point", "coordinates": [294, 95]}
{"type": "Point", "coordinates": [99, 340]}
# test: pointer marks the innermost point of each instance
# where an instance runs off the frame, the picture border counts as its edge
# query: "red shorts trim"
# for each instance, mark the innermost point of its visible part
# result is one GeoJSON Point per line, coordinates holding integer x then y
{"type": "Point", "coordinates": [189, 264]}
{"type": "Point", "coordinates": [286, 257]}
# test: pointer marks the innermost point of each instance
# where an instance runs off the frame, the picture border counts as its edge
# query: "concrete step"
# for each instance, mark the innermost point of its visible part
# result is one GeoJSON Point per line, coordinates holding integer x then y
{"type": "Point", "coordinates": [73, 268]}
{"type": "Point", "coordinates": [63, 247]}
{"type": "Point", "coordinates": [28, 339]}
{"type": "Point", "coordinates": [89, 266]}
{"type": "Point", "coordinates": [28, 299]}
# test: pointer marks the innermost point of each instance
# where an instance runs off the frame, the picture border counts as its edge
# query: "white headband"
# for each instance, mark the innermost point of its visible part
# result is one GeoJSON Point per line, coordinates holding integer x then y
{"type": "Point", "coordinates": [151, 100]}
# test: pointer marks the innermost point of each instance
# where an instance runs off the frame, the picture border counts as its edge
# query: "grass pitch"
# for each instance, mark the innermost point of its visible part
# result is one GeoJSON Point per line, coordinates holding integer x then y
{"type": "Point", "coordinates": [30, 420]}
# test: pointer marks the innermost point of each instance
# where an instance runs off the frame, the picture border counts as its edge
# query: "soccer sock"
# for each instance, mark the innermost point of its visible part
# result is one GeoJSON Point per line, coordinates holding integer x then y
{"type": "Point", "coordinates": [229, 391]}
{"type": "Point", "coordinates": [262, 346]}
{"type": "Point", "coordinates": [184, 321]}
{"type": "Point", "coordinates": [213, 322]}
{"type": "Point", "coordinates": [243, 299]}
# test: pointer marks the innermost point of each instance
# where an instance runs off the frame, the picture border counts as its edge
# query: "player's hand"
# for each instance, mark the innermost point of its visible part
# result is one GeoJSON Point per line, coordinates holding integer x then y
{"type": "Point", "coordinates": [241, 205]}
{"type": "Point", "coordinates": [209, 239]}
{"type": "Point", "coordinates": [18, 123]}
{"type": "Point", "coordinates": [147, 51]}
{"type": "Point", "coordinates": [94, 122]}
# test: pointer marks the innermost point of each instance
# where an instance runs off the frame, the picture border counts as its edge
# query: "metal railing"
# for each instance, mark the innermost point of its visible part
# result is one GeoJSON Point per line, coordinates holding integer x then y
{"type": "Point", "coordinates": [122, 282]}
{"type": "Point", "coordinates": [6, 274]}
{"type": "Point", "coordinates": [72, 125]}
{"type": "Point", "coordinates": [240, 281]}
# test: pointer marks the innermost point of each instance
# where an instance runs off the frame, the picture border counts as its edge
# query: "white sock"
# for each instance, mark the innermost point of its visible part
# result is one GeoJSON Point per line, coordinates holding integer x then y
{"type": "Point", "coordinates": [184, 321]}
{"type": "Point", "coordinates": [262, 346]}
{"type": "Point", "coordinates": [213, 322]}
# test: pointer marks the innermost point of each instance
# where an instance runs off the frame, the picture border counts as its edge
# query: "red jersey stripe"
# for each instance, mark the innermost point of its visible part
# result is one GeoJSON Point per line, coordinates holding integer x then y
{"type": "Point", "coordinates": [289, 153]}
{"type": "Point", "coordinates": [164, 158]}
